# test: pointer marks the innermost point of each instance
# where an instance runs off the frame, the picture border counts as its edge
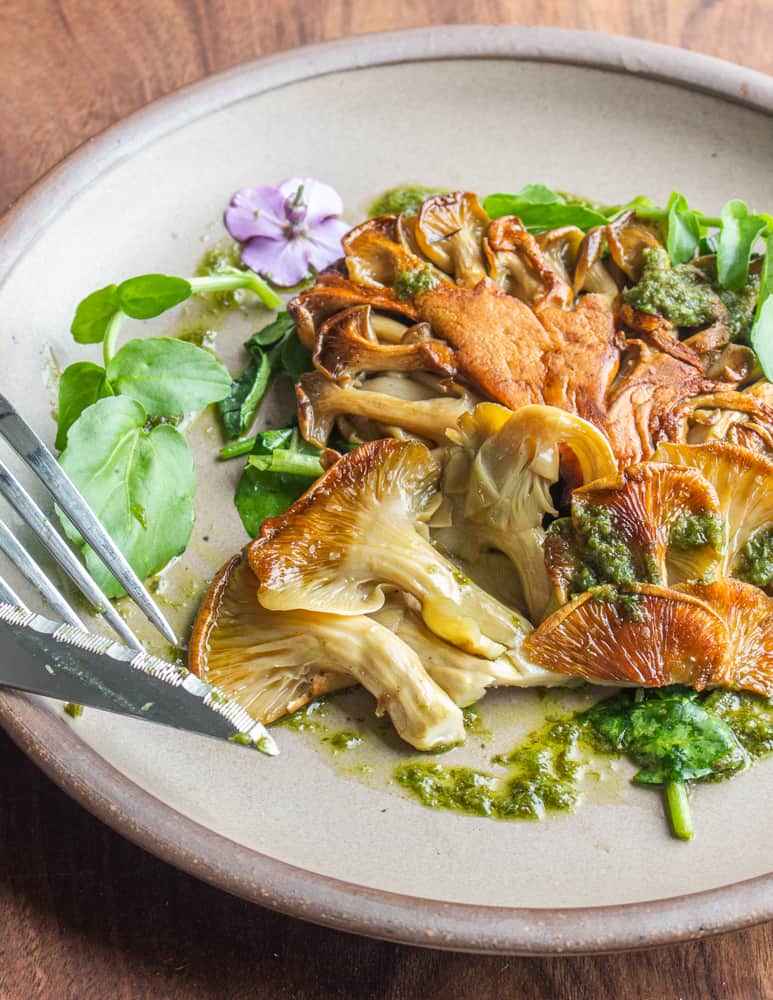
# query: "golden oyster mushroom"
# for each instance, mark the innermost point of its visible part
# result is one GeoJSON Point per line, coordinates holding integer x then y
{"type": "Point", "coordinates": [272, 663]}
{"type": "Point", "coordinates": [741, 418]}
{"type": "Point", "coordinates": [321, 402]}
{"type": "Point", "coordinates": [743, 481]}
{"type": "Point", "coordinates": [516, 263]}
{"type": "Point", "coordinates": [628, 237]}
{"type": "Point", "coordinates": [650, 636]}
{"type": "Point", "coordinates": [358, 532]}
{"type": "Point", "coordinates": [346, 346]}
{"type": "Point", "coordinates": [503, 468]}
{"type": "Point", "coordinates": [463, 676]}
{"type": "Point", "coordinates": [748, 614]}
{"type": "Point", "coordinates": [450, 230]}
{"type": "Point", "coordinates": [666, 515]}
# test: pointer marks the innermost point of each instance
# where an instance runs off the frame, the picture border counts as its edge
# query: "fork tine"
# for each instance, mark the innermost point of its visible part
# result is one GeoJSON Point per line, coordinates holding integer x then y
{"type": "Point", "coordinates": [32, 572]}
{"type": "Point", "coordinates": [27, 509]}
{"type": "Point", "coordinates": [31, 449]}
{"type": "Point", "coordinates": [9, 596]}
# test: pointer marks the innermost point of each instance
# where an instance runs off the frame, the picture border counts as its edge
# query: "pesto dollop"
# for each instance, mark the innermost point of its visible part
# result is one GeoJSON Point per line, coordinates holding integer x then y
{"type": "Point", "coordinates": [686, 296]}
{"type": "Point", "coordinates": [410, 283]}
{"type": "Point", "coordinates": [674, 735]}
{"type": "Point", "coordinates": [542, 776]}
{"type": "Point", "coordinates": [755, 563]}
{"type": "Point", "coordinates": [594, 550]}
{"type": "Point", "coordinates": [692, 531]}
{"type": "Point", "coordinates": [749, 715]}
{"type": "Point", "coordinates": [405, 198]}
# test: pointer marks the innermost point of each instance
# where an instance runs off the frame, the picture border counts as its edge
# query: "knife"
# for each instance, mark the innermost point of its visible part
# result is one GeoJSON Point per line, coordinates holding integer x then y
{"type": "Point", "coordinates": [63, 662]}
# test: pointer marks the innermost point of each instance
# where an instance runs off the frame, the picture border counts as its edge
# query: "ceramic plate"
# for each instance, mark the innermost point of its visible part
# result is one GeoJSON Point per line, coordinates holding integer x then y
{"type": "Point", "coordinates": [486, 109]}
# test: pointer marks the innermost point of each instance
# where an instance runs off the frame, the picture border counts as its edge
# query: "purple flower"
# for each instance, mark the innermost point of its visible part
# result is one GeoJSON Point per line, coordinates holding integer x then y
{"type": "Point", "coordinates": [287, 230]}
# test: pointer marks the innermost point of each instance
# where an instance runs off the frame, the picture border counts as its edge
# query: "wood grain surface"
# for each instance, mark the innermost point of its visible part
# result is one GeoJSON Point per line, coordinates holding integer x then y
{"type": "Point", "coordinates": [82, 912]}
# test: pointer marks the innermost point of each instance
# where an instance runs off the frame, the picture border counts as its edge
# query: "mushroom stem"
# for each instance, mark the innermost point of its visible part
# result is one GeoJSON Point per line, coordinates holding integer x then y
{"type": "Point", "coordinates": [321, 401]}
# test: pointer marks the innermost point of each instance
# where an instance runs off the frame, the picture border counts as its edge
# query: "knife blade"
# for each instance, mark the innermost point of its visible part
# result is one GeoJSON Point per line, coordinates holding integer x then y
{"type": "Point", "coordinates": [63, 662]}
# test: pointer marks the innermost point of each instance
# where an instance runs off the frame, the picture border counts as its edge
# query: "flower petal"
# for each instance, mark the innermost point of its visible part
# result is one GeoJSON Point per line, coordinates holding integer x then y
{"type": "Point", "coordinates": [256, 211]}
{"type": "Point", "coordinates": [322, 200]}
{"type": "Point", "coordinates": [285, 262]}
{"type": "Point", "coordinates": [325, 242]}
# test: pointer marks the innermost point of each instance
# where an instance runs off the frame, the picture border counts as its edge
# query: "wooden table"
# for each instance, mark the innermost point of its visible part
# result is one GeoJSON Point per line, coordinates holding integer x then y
{"type": "Point", "coordinates": [82, 912]}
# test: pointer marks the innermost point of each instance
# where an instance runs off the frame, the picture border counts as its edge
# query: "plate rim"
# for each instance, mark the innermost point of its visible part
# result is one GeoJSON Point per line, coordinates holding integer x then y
{"type": "Point", "coordinates": [148, 822]}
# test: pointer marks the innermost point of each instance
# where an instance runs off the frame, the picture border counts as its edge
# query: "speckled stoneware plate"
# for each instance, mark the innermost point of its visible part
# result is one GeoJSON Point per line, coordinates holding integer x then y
{"type": "Point", "coordinates": [482, 108]}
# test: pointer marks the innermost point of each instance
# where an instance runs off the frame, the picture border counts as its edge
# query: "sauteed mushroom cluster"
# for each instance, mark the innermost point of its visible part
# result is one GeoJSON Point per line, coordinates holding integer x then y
{"type": "Point", "coordinates": [551, 480]}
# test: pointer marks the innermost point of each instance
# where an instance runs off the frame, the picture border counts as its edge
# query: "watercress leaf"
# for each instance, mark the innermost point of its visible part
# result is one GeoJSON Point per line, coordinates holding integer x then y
{"type": "Point", "coordinates": [93, 314]}
{"type": "Point", "coordinates": [761, 337]}
{"type": "Point", "coordinates": [539, 194]}
{"type": "Point", "coordinates": [169, 377]}
{"type": "Point", "coordinates": [295, 359]}
{"type": "Point", "coordinates": [272, 333]}
{"type": "Point", "coordinates": [140, 483]}
{"type": "Point", "coordinates": [262, 493]}
{"type": "Point", "coordinates": [684, 231]}
{"type": "Point", "coordinates": [670, 737]}
{"type": "Point", "coordinates": [766, 275]}
{"type": "Point", "coordinates": [737, 237]}
{"type": "Point", "coordinates": [542, 215]}
{"type": "Point", "coordinates": [149, 295]}
{"type": "Point", "coordinates": [81, 385]}
{"type": "Point", "coordinates": [239, 407]}
{"type": "Point", "coordinates": [644, 207]}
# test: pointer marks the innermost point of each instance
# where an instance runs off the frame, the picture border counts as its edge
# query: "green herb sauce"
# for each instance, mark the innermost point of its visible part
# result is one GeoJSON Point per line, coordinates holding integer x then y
{"type": "Point", "coordinates": [692, 531]}
{"type": "Point", "coordinates": [684, 294]}
{"type": "Point", "coordinates": [405, 198]}
{"type": "Point", "coordinates": [224, 254]}
{"type": "Point", "coordinates": [410, 283]}
{"type": "Point", "coordinates": [344, 739]}
{"type": "Point", "coordinates": [596, 548]}
{"type": "Point", "coordinates": [755, 562]}
{"type": "Point", "coordinates": [669, 733]}
{"type": "Point", "coordinates": [749, 715]}
{"type": "Point", "coordinates": [542, 776]}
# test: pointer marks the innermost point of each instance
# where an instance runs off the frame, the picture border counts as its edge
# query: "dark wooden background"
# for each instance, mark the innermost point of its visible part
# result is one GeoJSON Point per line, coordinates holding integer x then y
{"type": "Point", "coordinates": [82, 912]}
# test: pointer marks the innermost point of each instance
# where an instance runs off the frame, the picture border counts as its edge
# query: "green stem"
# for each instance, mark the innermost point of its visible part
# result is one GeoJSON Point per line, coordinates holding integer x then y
{"type": "Point", "coordinates": [111, 335]}
{"type": "Point", "coordinates": [678, 809]}
{"type": "Point", "coordinates": [282, 460]}
{"type": "Point", "coordinates": [239, 279]}
{"type": "Point", "coordinates": [237, 448]}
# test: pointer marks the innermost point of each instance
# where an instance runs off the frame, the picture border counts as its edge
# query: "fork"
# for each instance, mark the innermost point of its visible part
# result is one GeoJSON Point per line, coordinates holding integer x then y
{"type": "Point", "coordinates": [28, 446]}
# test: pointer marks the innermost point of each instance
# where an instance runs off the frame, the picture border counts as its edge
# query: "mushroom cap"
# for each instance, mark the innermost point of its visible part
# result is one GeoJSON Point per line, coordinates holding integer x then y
{"type": "Point", "coordinates": [346, 347]}
{"type": "Point", "coordinates": [517, 462]}
{"type": "Point", "coordinates": [332, 292]}
{"type": "Point", "coordinates": [273, 663]}
{"type": "Point", "coordinates": [748, 614]}
{"type": "Point", "coordinates": [646, 503]}
{"type": "Point", "coordinates": [502, 470]}
{"type": "Point", "coordinates": [743, 481]}
{"type": "Point", "coordinates": [374, 256]}
{"type": "Point", "coordinates": [516, 262]}
{"type": "Point", "coordinates": [357, 532]}
{"type": "Point", "coordinates": [647, 386]}
{"type": "Point", "coordinates": [303, 558]}
{"type": "Point", "coordinates": [740, 418]}
{"type": "Point", "coordinates": [450, 230]}
{"type": "Point", "coordinates": [663, 637]}
{"type": "Point", "coordinates": [590, 272]}
{"type": "Point", "coordinates": [628, 237]}
{"type": "Point", "coordinates": [270, 664]}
